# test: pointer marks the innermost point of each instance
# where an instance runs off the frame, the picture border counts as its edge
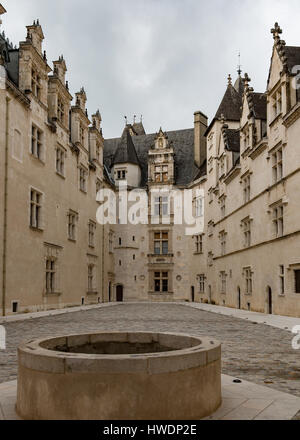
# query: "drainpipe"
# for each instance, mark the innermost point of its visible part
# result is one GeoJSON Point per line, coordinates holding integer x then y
{"type": "Point", "coordinates": [103, 235]}
{"type": "Point", "coordinates": [5, 209]}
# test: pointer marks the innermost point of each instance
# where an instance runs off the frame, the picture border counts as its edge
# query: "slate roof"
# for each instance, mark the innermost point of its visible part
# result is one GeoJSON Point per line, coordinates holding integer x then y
{"type": "Point", "coordinates": [230, 105]}
{"type": "Point", "coordinates": [259, 105]}
{"type": "Point", "coordinates": [125, 152]}
{"type": "Point", "coordinates": [138, 128]}
{"type": "Point", "coordinates": [11, 59]}
{"type": "Point", "coordinates": [183, 143]}
{"type": "Point", "coordinates": [293, 56]}
{"type": "Point", "coordinates": [232, 140]}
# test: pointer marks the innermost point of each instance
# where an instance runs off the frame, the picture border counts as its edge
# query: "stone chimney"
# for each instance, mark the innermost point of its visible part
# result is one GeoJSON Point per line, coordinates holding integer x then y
{"type": "Point", "coordinates": [200, 126]}
{"type": "Point", "coordinates": [60, 68]}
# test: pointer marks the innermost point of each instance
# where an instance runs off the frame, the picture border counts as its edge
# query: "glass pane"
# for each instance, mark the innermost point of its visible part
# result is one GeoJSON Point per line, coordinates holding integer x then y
{"type": "Point", "coordinates": [165, 286]}
{"type": "Point", "coordinates": [165, 247]}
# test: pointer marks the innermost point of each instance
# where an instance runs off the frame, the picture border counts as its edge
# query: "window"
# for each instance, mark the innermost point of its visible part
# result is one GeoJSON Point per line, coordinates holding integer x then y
{"type": "Point", "coordinates": [277, 165]}
{"type": "Point", "coordinates": [278, 220]}
{"type": "Point", "coordinates": [82, 179]}
{"type": "Point", "coordinates": [15, 306]}
{"type": "Point", "coordinates": [297, 281]}
{"type": "Point", "coordinates": [246, 138]}
{"type": "Point", "coordinates": [246, 188]}
{"type": "Point", "coordinates": [223, 206]}
{"type": "Point", "coordinates": [92, 230]}
{"type": "Point", "coordinates": [60, 161]}
{"type": "Point", "coordinates": [161, 243]}
{"type": "Point", "coordinates": [161, 282]}
{"type": "Point", "coordinates": [50, 275]}
{"type": "Point", "coordinates": [223, 282]}
{"type": "Point", "coordinates": [199, 207]}
{"type": "Point", "coordinates": [202, 283]}
{"type": "Point", "coordinates": [120, 241]}
{"type": "Point", "coordinates": [161, 174]}
{"type": "Point", "coordinates": [210, 259]}
{"type": "Point", "coordinates": [133, 238]}
{"type": "Point", "coordinates": [60, 111]}
{"type": "Point", "coordinates": [281, 280]}
{"type": "Point", "coordinates": [199, 244]}
{"type": "Point", "coordinates": [72, 220]}
{"type": "Point", "coordinates": [121, 174]}
{"type": "Point", "coordinates": [223, 242]}
{"type": "Point", "coordinates": [36, 84]}
{"type": "Point", "coordinates": [36, 142]}
{"type": "Point", "coordinates": [110, 242]}
{"type": "Point", "coordinates": [82, 135]}
{"type": "Point", "coordinates": [210, 227]}
{"type": "Point", "coordinates": [35, 209]}
{"type": "Point", "coordinates": [248, 281]}
{"type": "Point", "coordinates": [98, 186]}
{"type": "Point", "coordinates": [91, 275]}
{"type": "Point", "coordinates": [277, 103]}
{"type": "Point", "coordinates": [247, 232]}
{"type": "Point", "coordinates": [161, 206]}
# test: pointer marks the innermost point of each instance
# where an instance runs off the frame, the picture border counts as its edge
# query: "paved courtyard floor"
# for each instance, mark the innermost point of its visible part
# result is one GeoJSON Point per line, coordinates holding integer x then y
{"type": "Point", "coordinates": [251, 351]}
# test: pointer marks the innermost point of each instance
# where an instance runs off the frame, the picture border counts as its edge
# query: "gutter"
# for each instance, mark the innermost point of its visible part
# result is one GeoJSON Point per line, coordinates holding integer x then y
{"type": "Point", "coordinates": [5, 209]}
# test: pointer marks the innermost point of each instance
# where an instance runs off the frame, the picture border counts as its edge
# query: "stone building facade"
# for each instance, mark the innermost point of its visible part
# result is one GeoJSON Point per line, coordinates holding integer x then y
{"type": "Point", "coordinates": [54, 161]}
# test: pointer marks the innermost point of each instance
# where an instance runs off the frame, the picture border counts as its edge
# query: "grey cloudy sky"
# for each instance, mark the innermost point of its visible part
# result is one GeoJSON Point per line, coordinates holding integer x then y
{"type": "Point", "coordinates": [164, 59]}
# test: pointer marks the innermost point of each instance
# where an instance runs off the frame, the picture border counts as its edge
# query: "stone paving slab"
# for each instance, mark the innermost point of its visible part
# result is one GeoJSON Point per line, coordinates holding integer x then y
{"type": "Point", "coordinates": [238, 402]}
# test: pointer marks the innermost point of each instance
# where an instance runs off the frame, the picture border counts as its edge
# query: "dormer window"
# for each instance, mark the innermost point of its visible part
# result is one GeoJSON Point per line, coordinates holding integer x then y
{"type": "Point", "coordinates": [36, 84]}
{"type": "Point", "coordinates": [277, 103]}
{"type": "Point", "coordinates": [161, 174]}
{"type": "Point", "coordinates": [60, 110]}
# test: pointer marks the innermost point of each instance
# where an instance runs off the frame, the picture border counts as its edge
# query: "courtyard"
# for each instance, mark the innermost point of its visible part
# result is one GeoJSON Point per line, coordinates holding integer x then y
{"type": "Point", "coordinates": [251, 351]}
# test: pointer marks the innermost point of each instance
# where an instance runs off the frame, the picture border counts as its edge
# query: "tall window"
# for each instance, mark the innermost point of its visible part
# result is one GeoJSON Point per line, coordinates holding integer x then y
{"type": "Point", "coordinates": [277, 103]}
{"type": "Point", "coordinates": [199, 244]}
{"type": "Point", "coordinates": [161, 282]}
{"type": "Point", "coordinates": [248, 280]}
{"type": "Point", "coordinates": [281, 280]}
{"type": "Point", "coordinates": [247, 232]}
{"type": "Point", "coordinates": [60, 160]}
{"type": "Point", "coordinates": [246, 188]}
{"type": "Point", "coordinates": [82, 179]}
{"type": "Point", "coordinates": [161, 173]}
{"type": "Point", "coordinates": [91, 270]}
{"type": "Point", "coordinates": [161, 206]}
{"type": "Point", "coordinates": [199, 206]}
{"type": "Point", "coordinates": [60, 110]}
{"type": "Point", "coordinates": [223, 206]}
{"type": "Point", "coordinates": [36, 142]}
{"type": "Point", "coordinates": [50, 275]}
{"type": "Point", "coordinates": [297, 281]}
{"type": "Point", "coordinates": [92, 230]}
{"type": "Point", "coordinates": [223, 242]}
{"type": "Point", "coordinates": [278, 220]}
{"type": "Point", "coordinates": [223, 282]}
{"type": "Point", "coordinates": [161, 243]}
{"type": "Point", "coordinates": [35, 209]}
{"type": "Point", "coordinates": [202, 283]}
{"type": "Point", "coordinates": [36, 84]}
{"type": "Point", "coordinates": [277, 165]}
{"type": "Point", "coordinates": [72, 220]}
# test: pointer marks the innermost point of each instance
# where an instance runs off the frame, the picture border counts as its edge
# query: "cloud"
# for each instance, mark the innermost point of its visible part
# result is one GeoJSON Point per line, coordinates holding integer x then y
{"type": "Point", "coordinates": [164, 59]}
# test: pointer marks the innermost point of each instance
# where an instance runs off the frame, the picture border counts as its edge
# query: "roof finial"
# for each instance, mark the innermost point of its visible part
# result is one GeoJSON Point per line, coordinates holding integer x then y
{"type": "Point", "coordinates": [229, 80]}
{"type": "Point", "coordinates": [125, 117]}
{"type": "Point", "coordinates": [239, 65]}
{"type": "Point", "coordinates": [134, 119]}
{"type": "Point", "coordinates": [141, 119]}
{"type": "Point", "coordinates": [246, 80]}
{"type": "Point", "coordinates": [276, 31]}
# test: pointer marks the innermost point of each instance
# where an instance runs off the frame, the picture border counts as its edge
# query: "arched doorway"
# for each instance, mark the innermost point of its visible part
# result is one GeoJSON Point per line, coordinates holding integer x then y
{"type": "Point", "coordinates": [239, 299]}
{"type": "Point", "coordinates": [193, 293]}
{"type": "Point", "coordinates": [269, 300]}
{"type": "Point", "coordinates": [119, 294]}
{"type": "Point", "coordinates": [109, 292]}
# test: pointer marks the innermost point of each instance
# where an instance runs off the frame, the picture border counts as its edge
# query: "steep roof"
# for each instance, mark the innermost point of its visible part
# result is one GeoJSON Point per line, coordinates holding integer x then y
{"type": "Point", "coordinates": [183, 144]}
{"type": "Point", "coordinates": [230, 105]}
{"type": "Point", "coordinates": [259, 105]}
{"type": "Point", "coordinates": [232, 140]}
{"type": "Point", "coordinates": [125, 152]}
{"type": "Point", "coordinates": [293, 56]}
{"type": "Point", "coordinates": [138, 128]}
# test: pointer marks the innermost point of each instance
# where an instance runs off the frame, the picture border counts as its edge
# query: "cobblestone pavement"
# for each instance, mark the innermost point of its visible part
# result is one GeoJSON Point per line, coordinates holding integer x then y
{"type": "Point", "coordinates": [254, 352]}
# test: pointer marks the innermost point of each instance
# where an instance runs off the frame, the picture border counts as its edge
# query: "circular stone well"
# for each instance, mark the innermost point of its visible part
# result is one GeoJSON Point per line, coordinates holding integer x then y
{"type": "Point", "coordinates": [119, 376]}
